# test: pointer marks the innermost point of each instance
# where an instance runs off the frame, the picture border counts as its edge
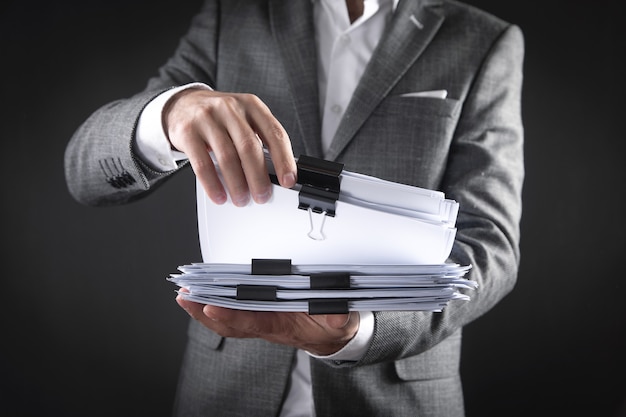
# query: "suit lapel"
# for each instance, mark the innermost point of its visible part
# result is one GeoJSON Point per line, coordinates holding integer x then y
{"type": "Point", "coordinates": [411, 29]}
{"type": "Point", "coordinates": [292, 26]}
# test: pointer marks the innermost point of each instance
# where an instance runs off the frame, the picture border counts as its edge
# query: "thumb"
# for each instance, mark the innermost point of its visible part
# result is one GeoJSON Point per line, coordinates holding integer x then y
{"type": "Point", "coordinates": [338, 321]}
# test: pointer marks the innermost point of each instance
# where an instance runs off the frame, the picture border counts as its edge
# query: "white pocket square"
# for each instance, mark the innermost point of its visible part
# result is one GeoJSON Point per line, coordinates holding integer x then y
{"type": "Point", "coordinates": [431, 94]}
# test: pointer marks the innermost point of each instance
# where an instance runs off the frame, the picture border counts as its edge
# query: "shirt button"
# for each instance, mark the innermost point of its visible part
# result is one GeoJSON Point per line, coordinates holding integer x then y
{"type": "Point", "coordinates": [336, 108]}
{"type": "Point", "coordinates": [345, 39]}
{"type": "Point", "coordinates": [163, 161]}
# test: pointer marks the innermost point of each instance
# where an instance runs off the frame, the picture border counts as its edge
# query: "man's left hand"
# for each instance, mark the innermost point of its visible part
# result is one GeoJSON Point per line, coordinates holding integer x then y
{"type": "Point", "coordinates": [318, 334]}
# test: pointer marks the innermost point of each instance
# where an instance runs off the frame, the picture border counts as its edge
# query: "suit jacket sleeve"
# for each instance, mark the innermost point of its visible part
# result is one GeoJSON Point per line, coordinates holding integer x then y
{"type": "Point", "coordinates": [100, 166]}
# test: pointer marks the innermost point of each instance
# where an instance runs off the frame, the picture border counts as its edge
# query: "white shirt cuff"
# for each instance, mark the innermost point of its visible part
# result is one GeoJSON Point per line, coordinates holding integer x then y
{"type": "Point", "coordinates": [151, 143]}
{"type": "Point", "coordinates": [356, 348]}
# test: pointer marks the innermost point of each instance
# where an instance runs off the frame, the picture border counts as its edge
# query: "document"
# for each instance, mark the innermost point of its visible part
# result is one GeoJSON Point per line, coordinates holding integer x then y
{"type": "Point", "coordinates": [374, 222]}
{"type": "Point", "coordinates": [338, 241]}
{"type": "Point", "coordinates": [349, 287]}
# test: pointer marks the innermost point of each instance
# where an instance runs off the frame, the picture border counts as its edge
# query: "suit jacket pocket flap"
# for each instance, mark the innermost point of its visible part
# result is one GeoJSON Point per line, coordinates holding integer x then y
{"type": "Point", "coordinates": [442, 361]}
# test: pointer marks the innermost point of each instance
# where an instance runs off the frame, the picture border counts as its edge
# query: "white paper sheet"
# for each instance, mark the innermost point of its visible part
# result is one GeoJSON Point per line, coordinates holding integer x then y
{"type": "Point", "coordinates": [278, 229]}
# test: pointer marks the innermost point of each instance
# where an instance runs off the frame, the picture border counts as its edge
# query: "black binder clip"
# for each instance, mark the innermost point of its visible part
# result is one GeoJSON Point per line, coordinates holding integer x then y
{"type": "Point", "coordinates": [256, 292]}
{"type": "Point", "coordinates": [319, 192]}
{"type": "Point", "coordinates": [329, 281]}
{"type": "Point", "coordinates": [337, 306]}
{"type": "Point", "coordinates": [270, 267]}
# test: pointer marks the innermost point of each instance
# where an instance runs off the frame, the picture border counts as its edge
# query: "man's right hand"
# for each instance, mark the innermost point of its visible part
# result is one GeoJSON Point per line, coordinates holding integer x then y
{"type": "Point", "coordinates": [235, 127]}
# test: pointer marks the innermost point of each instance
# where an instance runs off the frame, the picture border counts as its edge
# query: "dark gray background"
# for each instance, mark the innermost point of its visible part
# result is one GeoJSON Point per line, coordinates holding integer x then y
{"type": "Point", "coordinates": [89, 325]}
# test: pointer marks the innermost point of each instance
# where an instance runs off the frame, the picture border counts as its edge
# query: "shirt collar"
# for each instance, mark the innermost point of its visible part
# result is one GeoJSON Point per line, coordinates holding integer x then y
{"type": "Point", "coordinates": [393, 6]}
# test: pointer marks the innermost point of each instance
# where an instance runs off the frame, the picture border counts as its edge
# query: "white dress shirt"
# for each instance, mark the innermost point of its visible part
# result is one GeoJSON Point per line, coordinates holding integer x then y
{"type": "Point", "coordinates": [343, 50]}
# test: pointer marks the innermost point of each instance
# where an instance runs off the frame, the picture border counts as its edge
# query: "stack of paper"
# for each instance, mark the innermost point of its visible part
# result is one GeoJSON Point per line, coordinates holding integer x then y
{"type": "Point", "coordinates": [392, 239]}
{"type": "Point", "coordinates": [340, 288]}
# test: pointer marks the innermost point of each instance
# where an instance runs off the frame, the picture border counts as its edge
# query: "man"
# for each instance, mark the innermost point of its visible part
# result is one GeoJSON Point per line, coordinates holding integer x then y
{"type": "Point", "coordinates": [422, 92]}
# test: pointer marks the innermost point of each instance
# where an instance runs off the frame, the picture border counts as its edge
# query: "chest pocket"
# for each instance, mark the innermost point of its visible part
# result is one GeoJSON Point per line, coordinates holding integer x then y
{"type": "Point", "coordinates": [406, 140]}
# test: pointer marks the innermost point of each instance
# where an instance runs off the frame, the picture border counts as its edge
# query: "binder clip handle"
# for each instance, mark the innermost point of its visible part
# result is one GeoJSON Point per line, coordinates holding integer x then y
{"type": "Point", "coordinates": [316, 233]}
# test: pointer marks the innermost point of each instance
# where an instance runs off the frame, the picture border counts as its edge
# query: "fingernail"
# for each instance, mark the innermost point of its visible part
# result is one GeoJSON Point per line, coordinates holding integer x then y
{"type": "Point", "coordinates": [219, 198]}
{"type": "Point", "coordinates": [241, 201]}
{"type": "Point", "coordinates": [263, 197]}
{"type": "Point", "coordinates": [289, 180]}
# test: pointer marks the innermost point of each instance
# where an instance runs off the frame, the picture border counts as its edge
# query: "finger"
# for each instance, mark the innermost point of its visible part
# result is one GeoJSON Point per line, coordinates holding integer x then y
{"type": "Point", "coordinates": [249, 150]}
{"type": "Point", "coordinates": [203, 125]}
{"type": "Point", "coordinates": [204, 170]}
{"type": "Point", "coordinates": [247, 322]}
{"type": "Point", "coordinates": [195, 310]}
{"type": "Point", "coordinates": [239, 151]}
{"type": "Point", "coordinates": [192, 308]}
{"type": "Point", "coordinates": [179, 121]}
{"type": "Point", "coordinates": [226, 321]}
{"type": "Point", "coordinates": [274, 327]}
{"type": "Point", "coordinates": [230, 167]}
{"type": "Point", "coordinates": [192, 142]}
{"type": "Point", "coordinates": [276, 140]}
{"type": "Point", "coordinates": [337, 321]}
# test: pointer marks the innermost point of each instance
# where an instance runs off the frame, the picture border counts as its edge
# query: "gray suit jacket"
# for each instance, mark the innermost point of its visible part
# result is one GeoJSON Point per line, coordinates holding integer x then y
{"type": "Point", "coordinates": [469, 145]}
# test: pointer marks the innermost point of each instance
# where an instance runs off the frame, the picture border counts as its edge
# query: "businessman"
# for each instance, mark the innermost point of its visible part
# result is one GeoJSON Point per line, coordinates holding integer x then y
{"type": "Point", "coordinates": [421, 92]}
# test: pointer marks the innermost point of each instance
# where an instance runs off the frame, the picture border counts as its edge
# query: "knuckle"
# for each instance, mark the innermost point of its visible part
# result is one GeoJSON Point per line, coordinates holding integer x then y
{"type": "Point", "coordinates": [226, 103]}
{"type": "Point", "coordinates": [252, 99]}
{"type": "Point", "coordinates": [206, 111]}
{"type": "Point", "coordinates": [181, 133]}
{"type": "Point", "coordinates": [277, 132]}
{"type": "Point", "coordinates": [248, 143]}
